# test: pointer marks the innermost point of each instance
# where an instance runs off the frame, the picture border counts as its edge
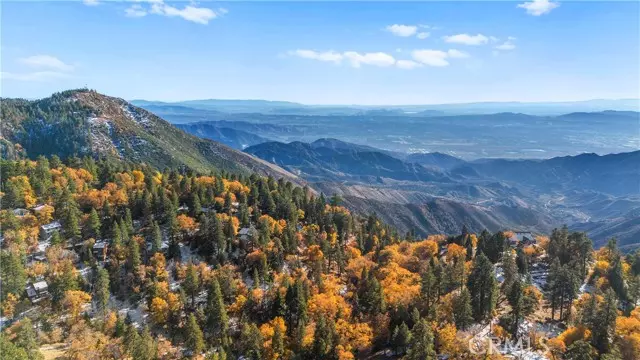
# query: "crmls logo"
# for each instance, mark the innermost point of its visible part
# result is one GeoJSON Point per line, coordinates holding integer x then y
{"type": "Point", "coordinates": [494, 345]}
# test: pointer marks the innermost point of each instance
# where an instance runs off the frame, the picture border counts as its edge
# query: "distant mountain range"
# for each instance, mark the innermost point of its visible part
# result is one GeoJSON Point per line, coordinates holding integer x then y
{"type": "Point", "coordinates": [332, 159]}
{"type": "Point", "coordinates": [468, 136]}
{"type": "Point", "coordinates": [437, 192]}
{"type": "Point", "coordinates": [286, 107]}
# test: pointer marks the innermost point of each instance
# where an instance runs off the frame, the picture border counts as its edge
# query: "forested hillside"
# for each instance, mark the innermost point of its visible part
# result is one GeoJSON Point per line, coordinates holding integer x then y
{"type": "Point", "coordinates": [85, 122]}
{"type": "Point", "coordinates": [112, 259]}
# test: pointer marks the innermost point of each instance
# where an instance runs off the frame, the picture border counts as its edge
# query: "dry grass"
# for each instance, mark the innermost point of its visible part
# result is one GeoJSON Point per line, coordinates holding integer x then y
{"type": "Point", "coordinates": [53, 351]}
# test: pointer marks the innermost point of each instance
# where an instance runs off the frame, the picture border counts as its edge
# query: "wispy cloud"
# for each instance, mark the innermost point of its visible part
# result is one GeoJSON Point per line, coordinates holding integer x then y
{"type": "Point", "coordinates": [430, 57]}
{"type": "Point", "coordinates": [408, 64]}
{"type": "Point", "coordinates": [91, 2]}
{"type": "Point", "coordinates": [354, 58]}
{"type": "Point", "coordinates": [38, 76]}
{"type": "Point", "coordinates": [46, 62]}
{"type": "Point", "coordinates": [408, 30]}
{"type": "Point", "coordinates": [402, 30]}
{"type": "Point", "coordinates": [457, 54]}
{"type": "Point", "coordinates": [42, 68]}
{"type": "Point", "coordinates": [466, 39]}
{"type": "Point", "coordinates": [538, 7]}
{"type": "Point", "coordinates": [328, 56]}
{"type": "Point", "coordinates": [509, 44]}
{"type": "Point", "coordinates": [191, 12]}
{"type": "Point", "coordinates": [135, 11]}
{"type": "Point", "coordinates": [418, 58]}
{"type": "Point", "coordinates": [438, 58]}
{"type": "Point", "coordinates": [376, 59]}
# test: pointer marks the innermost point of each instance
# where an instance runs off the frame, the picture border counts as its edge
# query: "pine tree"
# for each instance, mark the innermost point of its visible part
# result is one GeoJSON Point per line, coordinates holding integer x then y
{"type": "Point", "coordinates": [510, 270]}
{"type": "Point", "coordinates": [370, 296]}
{"type": "Point", "coordinates": [604, 327]}
{"type": "Point", "coordinates": [324, 338]}
{"type": "Point", "coordinates": [251, 342]}
{"type": "Point", "coordinates": [56, 239]}
{"type": "Point", "coordinates": [101, 290]}
{"type": "Point", "coordinates": [462, 311]}
{"type": "Point", "coordinates": [194, 340]}
{"type": "Point", "coordinates": [128, 221]}
{"type": "Point", "coordinates": [482, 288]}
{"type": "Point", "coordinates": [94, 224]}
{"type": "Point", "coordinates": [217, 320]}
{"type": "Point", "coordinates": [156, 238]}
{"type": "Point", "coordinates": [191, 284]}
{"type": "Point", "coordinates": [14, 276]}
{"type": "Point", "coordinates": [71, 224]}
{"type": "Point", "coordinates": [421, 343]}
{"type": "Point", "coordinates": [401, 338]}
{"type": "Point", "coordinates": [580, 350]}
{"type": "Point", "coordinates": [515, 298]}
{"type": "Point", "coordinates": [146, 349]}
{"type": "Point", "coordinates": [27, 339]}
{"type": "Point", "coordinates": [616, 279]}
{"type": "Point", "coordinates": [41, 178]}
{"type": "Point", "coordinates": [133, 260]}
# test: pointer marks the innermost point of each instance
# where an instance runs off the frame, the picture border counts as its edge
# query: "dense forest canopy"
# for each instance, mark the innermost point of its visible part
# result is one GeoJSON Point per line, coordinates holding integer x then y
{"type": "Point", "coordinates": [109, 259]}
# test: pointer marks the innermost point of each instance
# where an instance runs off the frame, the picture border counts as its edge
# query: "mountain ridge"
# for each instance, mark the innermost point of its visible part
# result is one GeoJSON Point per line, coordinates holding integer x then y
{"type": "Point", "coordinates": [85, 122]}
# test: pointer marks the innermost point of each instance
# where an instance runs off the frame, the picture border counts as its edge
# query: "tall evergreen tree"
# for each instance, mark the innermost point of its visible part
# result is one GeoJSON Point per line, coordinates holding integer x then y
{"type": "Point", "coordinates": [217, 320]}
{"type": "Point", "coordinates": [462, 310]}
{"type": "Point", "coordinates": [482, 288]}
{"type": "Point", "coordinates": [603, 330]}
{"type": "Point", "coordinates": [13, 274]}
{"type": "Point", "coordinates": [421, 343]}
{"type": "Point", "coordinates": [194, 339]}
{"type": "Point", "coordinates": [101, 290]}
{"type": "Point", "coordinates": [94, 224]}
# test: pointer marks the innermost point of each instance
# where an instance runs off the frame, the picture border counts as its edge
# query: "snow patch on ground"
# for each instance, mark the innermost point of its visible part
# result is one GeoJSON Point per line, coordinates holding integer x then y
{"type": "Point", "coordinates": [136, 116]}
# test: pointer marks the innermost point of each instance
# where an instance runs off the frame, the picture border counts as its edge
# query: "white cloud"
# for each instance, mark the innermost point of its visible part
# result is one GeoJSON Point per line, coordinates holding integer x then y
{"type": "Point", "coordinates": [375, 59]}
{"type": "Point", "coordinates": [38, 76]}
{"type": "Point", "coordinates": [457, 54]}
{"type": "Point", "coordinates": [91, 2]}
{"type": "Point", "coordinates": [327, 56]}
{"type": "Point", "coordinates": [407, 64]}
{"type": "Point", "coordinates": [46, 62]}
{"type": "Point", "coordinates": [507, 45]}
{"type": "Point", "coordinates": [135, 11]}
{"type": "Point", "coordinates": [354, 58]}
{"type": "Point", "coordinates": [402, 30]}
{"type": "Point", "coordinates": [423, 35]}
{"type": "Point", "coordinates": [431, 57]}
{"type": "Point", "coordinates": [538, 7]}
{"type": "Point", "coordinates": [199, 15]}
{"type": "Point", "coordinates": [467, 39]}
{"type": "Point", "coordinates": [437, 57]}
{"type": "Point", "coordinates": [191, 12]}
{"type": "Point", "coordinates": [420, 58]}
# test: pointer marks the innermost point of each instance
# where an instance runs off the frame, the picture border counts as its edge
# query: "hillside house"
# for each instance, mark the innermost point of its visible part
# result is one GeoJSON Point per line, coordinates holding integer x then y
{"type": "Point", "coordinates": [49, 228]}
{"type": "Point", "coordinates": [37, 291]}
{"type": "Point", "coordinates": [20, 212]}
{"type": "Point", "coordinates": [521, 238]}
{"type": "Point", "coordinates": [99, 250]}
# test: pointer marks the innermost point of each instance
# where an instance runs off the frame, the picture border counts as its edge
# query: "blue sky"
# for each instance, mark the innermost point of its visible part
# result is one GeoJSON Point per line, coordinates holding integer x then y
{"type": "Point", "coordinates": [324, 52]}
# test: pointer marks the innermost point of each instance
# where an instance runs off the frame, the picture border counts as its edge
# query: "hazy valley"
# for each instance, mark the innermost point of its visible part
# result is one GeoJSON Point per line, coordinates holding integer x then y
{"type": "Point", "coordinates": [426, 172]}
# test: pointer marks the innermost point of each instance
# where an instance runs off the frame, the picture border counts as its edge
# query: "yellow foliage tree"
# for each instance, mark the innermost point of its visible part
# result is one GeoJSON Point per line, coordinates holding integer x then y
{"type": "Point", "coordinates": [159, 310]}
{"type": "Point", "coordinates": [74, 300]}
